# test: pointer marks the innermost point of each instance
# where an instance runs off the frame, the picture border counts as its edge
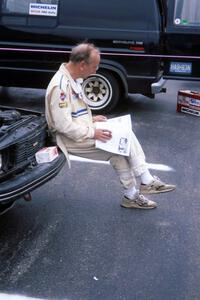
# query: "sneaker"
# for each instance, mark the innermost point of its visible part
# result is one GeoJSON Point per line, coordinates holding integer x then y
{"type": "Point", "coordinates": [138, 202]}
{"type": "Point", "coordinates": [156, 186]}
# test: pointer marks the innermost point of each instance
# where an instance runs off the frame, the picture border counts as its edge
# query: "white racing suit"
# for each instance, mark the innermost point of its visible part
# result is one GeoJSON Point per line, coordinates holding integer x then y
{"type": "Point", "coordinates": [70, 118]}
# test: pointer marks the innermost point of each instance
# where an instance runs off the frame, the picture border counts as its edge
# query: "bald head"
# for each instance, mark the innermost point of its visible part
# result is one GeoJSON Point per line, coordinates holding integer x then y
{"type": "Point", "coordinates": [83, 61]}
{"type": "Point", "coordinates": [83, 52]}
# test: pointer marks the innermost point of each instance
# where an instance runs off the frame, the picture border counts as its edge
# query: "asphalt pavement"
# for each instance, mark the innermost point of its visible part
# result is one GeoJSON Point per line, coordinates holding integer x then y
{"type": "Point", "coordinates": [73, 241]}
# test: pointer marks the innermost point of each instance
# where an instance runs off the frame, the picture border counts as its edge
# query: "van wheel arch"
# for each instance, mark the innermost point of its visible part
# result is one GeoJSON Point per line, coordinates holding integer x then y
{"type": "Point", "coordinates": [103, 90]}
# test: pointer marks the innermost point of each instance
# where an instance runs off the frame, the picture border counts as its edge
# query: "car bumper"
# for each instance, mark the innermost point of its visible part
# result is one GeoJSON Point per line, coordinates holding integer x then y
{"type": "Point", "coordinates": [157, 87]}
{"type": "Point", "coordinates": [30, 179]}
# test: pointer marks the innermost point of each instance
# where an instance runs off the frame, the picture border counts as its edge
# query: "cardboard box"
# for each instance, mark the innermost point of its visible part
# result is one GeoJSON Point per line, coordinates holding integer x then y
{"type": "Point", "coordinates": [188, 102]}
{"type": "Point", "coordinates": [46, 154]}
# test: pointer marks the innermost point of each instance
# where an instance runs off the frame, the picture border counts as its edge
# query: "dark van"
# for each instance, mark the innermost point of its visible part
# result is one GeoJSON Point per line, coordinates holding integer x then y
{"type": "Point", "coordinates": [140, 42]}
{"type": "Point", "coordinates": [181, 40]}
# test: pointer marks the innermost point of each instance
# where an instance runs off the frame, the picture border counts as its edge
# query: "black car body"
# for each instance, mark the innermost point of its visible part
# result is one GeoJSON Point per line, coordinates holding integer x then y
{"type": "Point", "coordinates": [22, 135]}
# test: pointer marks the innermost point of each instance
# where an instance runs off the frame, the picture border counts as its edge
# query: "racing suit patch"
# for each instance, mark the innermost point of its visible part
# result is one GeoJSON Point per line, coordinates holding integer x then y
{"type": "Point", "coordinates": [62, 104]}
{"type": "Point", "coordinates": [62, 96]}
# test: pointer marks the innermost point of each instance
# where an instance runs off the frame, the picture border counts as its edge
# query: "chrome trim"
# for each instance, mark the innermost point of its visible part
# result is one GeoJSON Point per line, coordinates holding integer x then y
{"type": "Point", "coordinates": [156, 87]}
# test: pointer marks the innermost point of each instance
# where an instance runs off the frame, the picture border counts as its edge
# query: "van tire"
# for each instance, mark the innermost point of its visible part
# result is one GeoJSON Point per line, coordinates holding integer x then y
{"type": "Point", "coordinates": [102, 91]}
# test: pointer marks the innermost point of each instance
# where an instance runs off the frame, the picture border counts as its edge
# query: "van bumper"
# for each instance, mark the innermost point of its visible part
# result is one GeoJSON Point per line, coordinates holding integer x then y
{"type": "Point", "coordinates": [157, 87]}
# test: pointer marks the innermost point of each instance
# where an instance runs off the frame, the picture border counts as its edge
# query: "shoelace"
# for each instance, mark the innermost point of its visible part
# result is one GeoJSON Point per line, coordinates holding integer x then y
{"type": "Point", "coordinates": [159, 181]}
{"type": "Point", "coordinates": [141, 199]}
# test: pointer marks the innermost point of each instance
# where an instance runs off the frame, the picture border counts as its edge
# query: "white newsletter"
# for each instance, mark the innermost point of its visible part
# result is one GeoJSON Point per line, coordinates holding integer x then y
{"type": "Point", "coordinates": [121, 128]}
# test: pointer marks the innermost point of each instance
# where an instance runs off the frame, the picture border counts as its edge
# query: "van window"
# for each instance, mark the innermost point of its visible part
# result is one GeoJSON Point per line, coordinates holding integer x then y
{"type": "Point", "coordinates": [117, 15]}
{"type": "Point", "coordinates": [29, 13]}
{"type": "Point", "coordinates": [24, 6]}
{"type": "Point", "coordinates": [187, 13]}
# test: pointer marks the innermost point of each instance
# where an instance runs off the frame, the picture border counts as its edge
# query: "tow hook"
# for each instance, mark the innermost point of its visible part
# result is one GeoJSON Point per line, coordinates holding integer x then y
{"type": "Point", "coordinates": [27, 197]}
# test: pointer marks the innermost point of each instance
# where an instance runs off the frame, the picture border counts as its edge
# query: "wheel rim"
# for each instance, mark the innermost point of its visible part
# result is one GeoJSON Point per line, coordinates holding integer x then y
{"type": "Point", "coordinates": [98, 91]}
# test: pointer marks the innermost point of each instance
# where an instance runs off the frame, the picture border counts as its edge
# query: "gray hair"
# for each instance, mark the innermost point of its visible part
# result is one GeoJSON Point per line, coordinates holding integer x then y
{"type": "Point", "coordinates": [82, 52]}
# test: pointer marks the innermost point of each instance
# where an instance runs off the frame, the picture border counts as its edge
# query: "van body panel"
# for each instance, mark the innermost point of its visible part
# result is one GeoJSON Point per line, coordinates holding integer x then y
{"type": "Point", "coordinates": [182, 40]}
{"type": "Point", "coordinates": [116, 28]}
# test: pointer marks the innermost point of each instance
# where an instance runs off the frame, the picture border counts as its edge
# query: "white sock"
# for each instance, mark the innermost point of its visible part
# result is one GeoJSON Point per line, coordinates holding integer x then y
{"type": "Point", "coordinates": [146, 177]}
{"type": "Point", "coordinates": [130, 193]}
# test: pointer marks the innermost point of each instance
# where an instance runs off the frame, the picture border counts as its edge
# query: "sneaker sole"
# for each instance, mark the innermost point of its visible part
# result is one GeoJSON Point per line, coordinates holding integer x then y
{"type": "Point", "coordinates": [137, 207]}
{"type": "Point", "coordinates": [156, 191]}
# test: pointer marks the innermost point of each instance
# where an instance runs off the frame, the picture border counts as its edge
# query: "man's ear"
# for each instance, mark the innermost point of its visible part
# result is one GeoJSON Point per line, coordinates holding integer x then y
{"type": "Point", "coordinates": [82, 63]}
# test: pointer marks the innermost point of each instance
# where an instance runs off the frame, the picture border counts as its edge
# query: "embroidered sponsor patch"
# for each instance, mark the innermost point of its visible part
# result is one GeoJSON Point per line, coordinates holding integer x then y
{"type": "Point", "coordinates": [62, 96]}
{"type": "Point", "coordinates": [62, 104]}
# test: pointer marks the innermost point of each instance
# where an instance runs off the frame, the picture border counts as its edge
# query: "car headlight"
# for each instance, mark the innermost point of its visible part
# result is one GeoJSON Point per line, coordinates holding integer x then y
{"type": "Point", "coordinates": [0, 161]}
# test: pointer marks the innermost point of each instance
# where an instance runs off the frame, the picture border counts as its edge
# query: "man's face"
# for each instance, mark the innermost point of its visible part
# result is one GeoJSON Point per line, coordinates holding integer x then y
{"type": "Point", "coordinates": [90, 68]}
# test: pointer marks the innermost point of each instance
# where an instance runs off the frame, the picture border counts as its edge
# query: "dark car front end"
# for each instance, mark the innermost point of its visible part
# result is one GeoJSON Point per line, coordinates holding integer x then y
{"type": "Point", "coordinates": [22, 135]}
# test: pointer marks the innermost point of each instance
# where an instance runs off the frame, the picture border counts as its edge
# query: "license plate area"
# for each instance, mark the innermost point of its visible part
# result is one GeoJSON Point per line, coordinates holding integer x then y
{"type": "Point", "coordinates": [182, 68]}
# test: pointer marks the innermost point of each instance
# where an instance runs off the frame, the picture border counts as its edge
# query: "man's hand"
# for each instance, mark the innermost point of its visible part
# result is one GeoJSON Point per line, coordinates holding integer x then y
{"type": "Point", "coordinates": [102, 135]}
{"type": "Point", "coordinates": [99, 118]}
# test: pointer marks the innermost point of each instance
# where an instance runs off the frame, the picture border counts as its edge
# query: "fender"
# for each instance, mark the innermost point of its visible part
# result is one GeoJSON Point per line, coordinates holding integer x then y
{"type": "Point", "coordinates": [116, 68]}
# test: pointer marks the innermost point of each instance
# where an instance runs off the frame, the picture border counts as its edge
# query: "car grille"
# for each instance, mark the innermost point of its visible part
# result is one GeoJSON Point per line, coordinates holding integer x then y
{"type": "Point", "coordinates": [25, 151]}
{"type": "Point", "coordinates": [19, 143]}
